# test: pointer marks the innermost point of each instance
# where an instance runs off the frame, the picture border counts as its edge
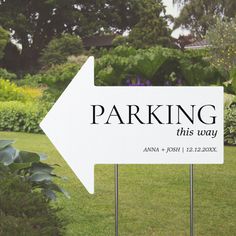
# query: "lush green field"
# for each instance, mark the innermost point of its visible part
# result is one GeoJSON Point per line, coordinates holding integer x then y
{"type": "Point", "coordinates": [154, 200]}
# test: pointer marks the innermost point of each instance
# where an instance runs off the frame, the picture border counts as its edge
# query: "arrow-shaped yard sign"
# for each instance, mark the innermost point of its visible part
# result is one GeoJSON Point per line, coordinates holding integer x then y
{"type": "Point", "coordinates": [134, 125]}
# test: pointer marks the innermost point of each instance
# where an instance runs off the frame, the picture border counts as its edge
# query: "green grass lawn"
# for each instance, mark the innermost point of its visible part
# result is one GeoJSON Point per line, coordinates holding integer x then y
{"type": "Point", "coordinates": [153, 199]}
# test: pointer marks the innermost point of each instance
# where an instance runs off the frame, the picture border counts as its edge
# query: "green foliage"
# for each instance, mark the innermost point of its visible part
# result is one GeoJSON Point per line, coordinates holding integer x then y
{"type": "Point", "coordinates": [23, 212]}
{"type": "Point", "coordinates": [32, 81]}
{"type": "Point", "coordinates": [4, 39]}
{"type": "Point", "coordinates": [79, 60]}
{"type": "Point", "coordinates": [198, 15]}
{"type": "Point", "coordinates": [9, 91]}
{"type": "Point", "coordinates": [222, 38]}
{"type": "Point", "coordinates": [59, 76]}
{"type": "Point", "coordinates": [7, 75]}
{"type": "Point", "coordinates": [44, 20]}
{"type": "Point", "coordinates": [60, 48]}
{"type": "Point", "coordinates": [161, 66]}
{"type": "Point", "coordinates": [21, 108]}
{"type": "Point", "coordinates": [197, 71]}
{"type": "Point", "coordinates": [56, 78]}
{"type": "Point", "coordinates": [230, 119]}
{"type": "Point", "coordinates": [28, 165]}
{"type": "Point", "coordinates": [152, 28]}
{"type": "Point", "coordinates": [230, 125]}
{"type": "Point", "coordinates": [146, 63]}
{"type": "Point", "coordinates": [230, 85]}
{"type": "Point", "coordinates": [233, 80]}
{"type": "Point", "coordinates": [229, 100]}
{"type": "Point", "coordinates": [12, 58]}
{"type": "Point", "coordinates": [120, 40]}
{"type": "Point", "coordinates": [22, 117]}
{"type": "Point", "coordinates": [112, 67]}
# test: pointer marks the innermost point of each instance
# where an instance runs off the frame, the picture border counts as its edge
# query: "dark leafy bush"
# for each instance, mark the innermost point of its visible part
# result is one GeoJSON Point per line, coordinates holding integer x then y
{"type": "Point", "coordinates": [199, 72]}
{"type": "Point", "coordinates": [56, 79]}
{"type": "Point", "coordinates": [28, 166]}
{"type": "Point", "coordinates": [118, 64]}
{"type": "Point", "coordinates": [7, 75]}
{"type": "Point", "coordinates": [12, 59]}
{"type": "Point", "coordinates": [32, 81]}
{"type": "Point", "coordinates": [4, 39]}
{"type": "Point", "coordinates": [24, 212]}
{"type": "Point", "coordinates": [230, 125]}
{"type": "Point", "coordinates": [59, 49]}
{"type": "Point", "coordinates": [22, 117]}
{"type": "Point", "coordinates": [59, 76]}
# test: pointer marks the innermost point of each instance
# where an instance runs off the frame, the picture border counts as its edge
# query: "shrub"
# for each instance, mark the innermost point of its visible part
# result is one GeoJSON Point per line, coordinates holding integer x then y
{"type": "Point", "coordinates": [59, 76]}
{"type": "Point", "coordinates": [32, 93]}
{"type": "Point", "coordinates": [23, 212]}
{"type": "Point", "coordinates": [230, 119]}
{"type": "Point", "coordinates": [230, 125]}
{"type": "Point", "coordinates": [233, 80]}
{"type": "Point", "coordinates": [56, 78]}
{"type": "Point", "coordinates": [120, 40]}
{"type": "Point", "coordinates": [59, 49]}
{"type": "Point", "coordinates": [161, 66]}
{"type": "Point", "coordinates": [79, 60]}
{"type": "Point", "coordinates": [200, 73]}
{"type": "Point", "coordinates": [28, 166]}
{"type": "Point", "coordinates": [9, 91]}
{"type": "Point", "coordinates": [29, 80]}
{"type": "Point", "coordinates": [7, 75]}
{"type": "Point", "coordinates": [22, 117]}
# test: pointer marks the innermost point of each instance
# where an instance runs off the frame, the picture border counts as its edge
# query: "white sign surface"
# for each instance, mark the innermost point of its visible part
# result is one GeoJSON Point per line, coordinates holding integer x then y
{"type": "Point", "coordinates": [134, 125]}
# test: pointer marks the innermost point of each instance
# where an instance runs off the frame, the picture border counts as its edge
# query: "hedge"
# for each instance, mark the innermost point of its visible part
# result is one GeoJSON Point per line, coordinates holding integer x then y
{"type": "Point", "coordinates": [22, 117]}
{"type": "Point", "coordinates": [9, 91]}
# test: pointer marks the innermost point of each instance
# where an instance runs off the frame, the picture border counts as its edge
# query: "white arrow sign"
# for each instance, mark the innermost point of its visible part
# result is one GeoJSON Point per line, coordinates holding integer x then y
{"type": "Point", "coordinates": [134, 125]}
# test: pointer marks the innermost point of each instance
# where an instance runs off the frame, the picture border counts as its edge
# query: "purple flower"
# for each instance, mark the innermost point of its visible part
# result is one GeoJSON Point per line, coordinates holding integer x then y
{"type": "Point", "coordinates": [138, 82]}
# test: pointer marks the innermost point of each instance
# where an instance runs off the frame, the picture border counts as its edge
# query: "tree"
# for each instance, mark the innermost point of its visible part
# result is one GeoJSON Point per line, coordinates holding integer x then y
{"type": "Point", "coordinates": [222, 38]}
{"type": "Point", "coordinates": [33, 24]}
{"type": "Point", "coordinates": [4, 39]}
{"type": "Point", "coordinates": [12, 57]}
{"type": "Point", "coordinates": [59, 49]}
{"type": "Point", "coordinates": [152, 28]}
{"type": "Point", "coordinates": [105, 16]}
{"type": "Point", "coordinates": [198, 15]}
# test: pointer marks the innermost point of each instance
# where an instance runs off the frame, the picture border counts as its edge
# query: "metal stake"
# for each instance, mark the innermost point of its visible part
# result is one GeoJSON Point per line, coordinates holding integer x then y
{"type": "Point", "coordinates": [191, 199]}
{"type": "Point", "coordinates": [116, 198]}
